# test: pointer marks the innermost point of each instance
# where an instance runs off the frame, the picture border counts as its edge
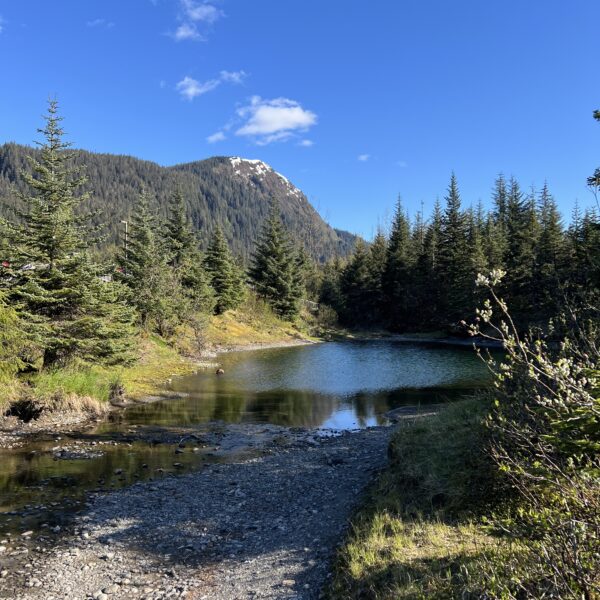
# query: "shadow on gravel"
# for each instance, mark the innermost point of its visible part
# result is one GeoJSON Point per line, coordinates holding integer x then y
{"type": "Point", "coordinates": [280, 516]}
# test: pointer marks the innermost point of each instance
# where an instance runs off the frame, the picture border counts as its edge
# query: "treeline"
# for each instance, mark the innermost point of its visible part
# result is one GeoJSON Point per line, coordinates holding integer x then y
{"type": "Point", "coordinates": [60, 307]}
{"type": "Point", "coordinates": [422, 276]}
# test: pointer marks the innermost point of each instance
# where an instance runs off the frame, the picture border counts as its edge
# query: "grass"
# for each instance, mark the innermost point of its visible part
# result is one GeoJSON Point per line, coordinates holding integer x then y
{"type": "Point", "coordinates": [419, 532]}
{"type": "Point", "coordinates": [252, 323]}
{"type": "Point", "coordinates": [91, 382]}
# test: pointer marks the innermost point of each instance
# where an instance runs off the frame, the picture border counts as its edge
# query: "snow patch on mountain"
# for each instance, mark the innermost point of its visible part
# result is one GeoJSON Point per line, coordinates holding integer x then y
{"type": "Point", "coordinates": [258, 168]}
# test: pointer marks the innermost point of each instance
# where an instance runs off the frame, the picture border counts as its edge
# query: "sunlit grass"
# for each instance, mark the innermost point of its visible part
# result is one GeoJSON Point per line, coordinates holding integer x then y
{"type": "Point", "coordinates": [419, 533]}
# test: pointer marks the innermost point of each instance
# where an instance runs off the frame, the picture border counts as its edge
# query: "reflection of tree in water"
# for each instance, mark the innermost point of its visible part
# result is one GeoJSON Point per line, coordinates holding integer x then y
{"type": "Point", "coordinates": [230, 408]}
{"type": "Point", "coordinates": [292, 408]}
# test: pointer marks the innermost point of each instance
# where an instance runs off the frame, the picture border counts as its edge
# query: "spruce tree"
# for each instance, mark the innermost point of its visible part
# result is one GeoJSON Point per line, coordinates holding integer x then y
{"type": "Point", "coordinates": [67, 307]}
{"type": "Point", "coordinates": [154, 288]}
{"type": "Point", "coordinates": [13, 341]}
{"type": "Point", "coordinates": [185, 257]}
{"type": "Point", "coordinates": [522, 230]}
{"type": "Point", "coordinates": [377, 266]}
{"type": "Point", "coordinates": [453, 257]}
{"type": "Point", "coordinates": [428, 290]}
{"type": "Point", "coordinates": [273, 269]}
{"type": "Point", "coordinates": [396, 274]}
{"type": "Point", "coordinates": [478, 262]}
{"type": "Point", "coordinates": [355, 285]}
{"type": "Point", "coordinates": [224, 275]}
{"type": "Point", "coordinates": [550, 253]}
{"type": "Point", "coordinates": [179, 237]}
{"type": "Point", "coordinates": [330, 292]}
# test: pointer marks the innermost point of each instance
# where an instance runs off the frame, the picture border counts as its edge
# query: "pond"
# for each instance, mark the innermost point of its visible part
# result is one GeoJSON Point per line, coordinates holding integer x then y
{"type": "Point", "coordinates": [328, 387]}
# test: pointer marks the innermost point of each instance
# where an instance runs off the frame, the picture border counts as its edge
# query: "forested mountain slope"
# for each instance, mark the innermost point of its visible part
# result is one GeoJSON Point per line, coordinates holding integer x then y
{"type": "Point", "coordinates": [229, 191]}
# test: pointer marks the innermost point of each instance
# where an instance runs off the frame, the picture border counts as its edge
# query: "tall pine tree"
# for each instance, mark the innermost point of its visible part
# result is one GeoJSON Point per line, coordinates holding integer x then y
{"type": "Point", "coordinates": [274, 269]}
{"type": "Point", "coordinates": [224, 274]}
{"type": "Point", "coordinates": [454, 258]}
{"type": "Point", "coordinates": [71, 312]}
{"type": "Point", "coordinates": [396, 276]}
{"type": "Point", "coordinates": [155, 290]}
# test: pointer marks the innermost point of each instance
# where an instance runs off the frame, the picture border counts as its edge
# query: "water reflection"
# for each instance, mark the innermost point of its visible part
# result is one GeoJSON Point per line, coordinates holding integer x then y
{"type": "Point", "coordinates": [337, 385]}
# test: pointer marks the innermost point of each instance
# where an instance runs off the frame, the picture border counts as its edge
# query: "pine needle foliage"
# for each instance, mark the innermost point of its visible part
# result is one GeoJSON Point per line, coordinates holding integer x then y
{"type": "Point", "coordinates": [68, 309]}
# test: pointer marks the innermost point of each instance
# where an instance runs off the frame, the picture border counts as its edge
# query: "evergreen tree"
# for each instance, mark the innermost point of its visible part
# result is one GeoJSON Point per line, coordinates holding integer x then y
{"type": "Point", "coordinates": [454, 263]}
{"type": "Point", "coordinates": [477, 256]}
{"type": "Point", "coordinates": [428, 290]}
{"type": "Point", "coordinates": [475, 232]}
{"type": "Point", "coordinates": [179, 238]}
{"type": "Point", "coordinates": [71, 312]}
{"type": "Point", "coordinates": [185, 257]}
{"type": "Point", "coordinates": [377, 266]}
{"type": "Point", "coordinates": [273, 269]}
{"type": "Point", "coordinates": [522, 229]}
{"type": "Point", "coordinates": [354, 285]}
{"type": "Point", "coordinates": [494, 243]}
{"type": "Point", "coordinates": [396, 275]}
{"type": "Point", "coordinates": [224, 275]}
{"type": "Point", "coordinates": [330, 292]}
{"type": "Point", "coordinates": [13, 341]}
{"type": "Point", "coordinates": [154, 288]}
{"type": "Point", "coordinates": [302, 265]}
{"type": "Point", "coordinates": [550, 254]}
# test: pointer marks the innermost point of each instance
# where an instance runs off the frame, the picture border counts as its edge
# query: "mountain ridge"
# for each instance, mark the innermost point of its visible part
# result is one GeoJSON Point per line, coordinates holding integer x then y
{"type": "Point", "coordinates": [231, 191]}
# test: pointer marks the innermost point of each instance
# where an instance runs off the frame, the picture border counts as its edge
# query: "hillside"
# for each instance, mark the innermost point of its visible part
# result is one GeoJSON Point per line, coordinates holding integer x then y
{"type": "Point", "coordinates": [231, 191]}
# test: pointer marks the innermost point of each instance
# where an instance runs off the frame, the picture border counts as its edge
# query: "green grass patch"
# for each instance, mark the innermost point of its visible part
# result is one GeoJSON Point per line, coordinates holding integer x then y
{"type": "Point", "coordinates": [419, 533]}
{"type": "Point", "coordinates": [89, 382]}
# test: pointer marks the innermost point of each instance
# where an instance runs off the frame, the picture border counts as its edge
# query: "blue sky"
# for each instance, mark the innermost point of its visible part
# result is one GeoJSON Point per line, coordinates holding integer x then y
{"type": "Point", "coordinates": [353, 101]}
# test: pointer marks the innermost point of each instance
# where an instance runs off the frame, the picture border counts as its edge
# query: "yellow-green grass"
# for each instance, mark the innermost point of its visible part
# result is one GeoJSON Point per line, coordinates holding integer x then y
{"type": "Point", "coordinates": [419, 533]}
{"type": "Point", "coordinates": [253, 323]}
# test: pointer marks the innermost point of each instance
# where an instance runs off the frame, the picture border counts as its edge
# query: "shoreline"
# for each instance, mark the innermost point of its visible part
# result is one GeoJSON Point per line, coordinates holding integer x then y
{"type": "Point", "coordinates": [15, 433]}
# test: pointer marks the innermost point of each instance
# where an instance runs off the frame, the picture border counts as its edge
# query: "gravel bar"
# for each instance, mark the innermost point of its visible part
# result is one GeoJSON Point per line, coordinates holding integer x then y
{"type": "Point", "coordinates": [264, 528]}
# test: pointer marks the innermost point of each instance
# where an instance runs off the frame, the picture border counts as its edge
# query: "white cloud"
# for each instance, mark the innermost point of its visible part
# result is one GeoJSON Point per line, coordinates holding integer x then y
{"type": "Point", "coordinates": [187, 31]}
{"type": "Point", "coordinates": [1, 24]}
{"type": "Point", "coordinates": [189, 88]}
{"type": "Point", "coordinates": [100, 23]}
{"type": "Point", "coordinates": [200, 11]}
{"type": "Point", "coordinates": [219, 136]}
{"type": "Point", "coordinates": [402, 164]}
{"type": "Point", "coordinates": [306, 143]}
{"type": "Point", "coordinates": [363, 157]}
{"type": "Point", "coordinates": [274, 120]}
{"type": "Point", "coordinates": [233, 76]}
{"type": "Point", "coordinates": [192, 14]}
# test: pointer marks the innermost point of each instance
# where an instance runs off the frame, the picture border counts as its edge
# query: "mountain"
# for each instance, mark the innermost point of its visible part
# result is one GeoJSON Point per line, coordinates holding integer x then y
{"type": "Point", "coordinates": [230, 191]}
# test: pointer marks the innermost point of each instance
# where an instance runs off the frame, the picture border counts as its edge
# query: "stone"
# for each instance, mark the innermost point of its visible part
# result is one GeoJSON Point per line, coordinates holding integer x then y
{"type": "Point", "coordinates": [111, 589]}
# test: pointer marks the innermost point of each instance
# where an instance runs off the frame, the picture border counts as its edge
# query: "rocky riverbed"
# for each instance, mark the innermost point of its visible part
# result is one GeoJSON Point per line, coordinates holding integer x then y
{"type": "Point", "coordinates": [260, 527]}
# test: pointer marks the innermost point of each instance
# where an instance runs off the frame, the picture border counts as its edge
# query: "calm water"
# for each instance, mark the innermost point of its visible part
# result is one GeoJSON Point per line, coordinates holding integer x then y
{"type": "Point", "coordinates": [328, 386]}
{"type": "Point", "coordinates": [336, 385]}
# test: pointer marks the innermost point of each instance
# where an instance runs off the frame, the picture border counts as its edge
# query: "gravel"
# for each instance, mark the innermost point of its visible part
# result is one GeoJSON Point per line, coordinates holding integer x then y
{"type": "Point", "coordinates": [264, 528]}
